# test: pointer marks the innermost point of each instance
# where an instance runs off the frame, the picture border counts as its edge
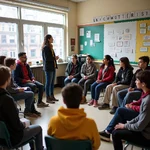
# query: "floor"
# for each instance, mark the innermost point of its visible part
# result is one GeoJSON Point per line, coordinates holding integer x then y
{"type": "Point", "coordinates": [101, 118]}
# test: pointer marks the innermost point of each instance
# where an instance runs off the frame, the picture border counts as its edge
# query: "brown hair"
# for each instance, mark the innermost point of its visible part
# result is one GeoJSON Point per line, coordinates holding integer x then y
{"type": "Point", "coordinates": [46, 42]}
{"type": "Point", "coordinates": [72, 95]}
{"type": "Point", "coordinates": [125, 60]}
{"type": "Point", "coordinates": [5, 74]}
{"type": "Point", "coordinates": [2, 60]}
{"type": "Point", "coordinates": [9, 61]}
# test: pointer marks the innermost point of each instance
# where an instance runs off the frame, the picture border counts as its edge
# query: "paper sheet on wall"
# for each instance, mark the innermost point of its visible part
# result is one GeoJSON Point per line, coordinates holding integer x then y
{"type": "Point", "coordinates": [91, 43]}
{"type": "Point", "coordinates": [81, 31]}
{"type": "Point", "coordinates": [124, 39]}
{"type": "Point", "coordinates": [88, 34]}
{"type": "Point", "coordinates": [97, 37]}
{"type": "Point", "coordinates": [81, 47]}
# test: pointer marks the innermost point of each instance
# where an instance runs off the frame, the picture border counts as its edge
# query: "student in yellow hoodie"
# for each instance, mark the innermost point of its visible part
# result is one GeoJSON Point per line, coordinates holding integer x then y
{"type": "Point", "coordinates": [71, 122]}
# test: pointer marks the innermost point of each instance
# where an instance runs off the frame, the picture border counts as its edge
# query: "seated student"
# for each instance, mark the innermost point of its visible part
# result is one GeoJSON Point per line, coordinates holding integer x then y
{"type": "Point", "coordinates": [122, 81]}
{"type": "Point", "coordinates": [2, 60]}
{"type": "Point", "coordinates": [72, 71]}
{"type": "Point", "coordinates": [136, 126]}
{"type": "Point", "coordinates": [19, 93]}
{"type": "Point", "coordinates": [9, 115]}
{"type": "Point", "coordinates": [71, 122]}
{"type": "Point", "coordinates": [88, 74]}
{"type": "Point", "coordinates": [105, 77]}
{"type": "Point", "coordinates": [24, 77]}
{"type": "Point", "coordinates": [126, 96]}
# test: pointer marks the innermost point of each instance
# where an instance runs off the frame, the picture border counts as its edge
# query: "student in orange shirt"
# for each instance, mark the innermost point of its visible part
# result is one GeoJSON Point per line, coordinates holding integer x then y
{"type": "Point", "coordinates": [71, 122]}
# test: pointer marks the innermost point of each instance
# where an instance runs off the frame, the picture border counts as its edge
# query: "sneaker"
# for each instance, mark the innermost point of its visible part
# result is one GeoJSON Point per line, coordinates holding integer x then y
{"type": "Point", "coordinates": [104, 136]}
{"type": "Point", "coordinates": [50, 100]}
{"type": "Point", "coordinates": [54, 99]}
{"type": "Point", "coordinates": [104, 106]}
{"type": "Point", "coordinates": [36, 112]}
{"type": "Point", "coordinates": [29, 114]}
{"type": "Point", "coordinates": [42, 104]}
{"type": "Point", "coordinates": [95, 103]}
{"type": "Point", "coordinates": [91, 102]}
{"type": "Point", "coordinates": [113, 110]}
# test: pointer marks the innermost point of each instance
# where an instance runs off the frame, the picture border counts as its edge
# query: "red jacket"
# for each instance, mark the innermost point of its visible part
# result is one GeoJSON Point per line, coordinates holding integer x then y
{"type": "Point", "coordinates": [108, 74]}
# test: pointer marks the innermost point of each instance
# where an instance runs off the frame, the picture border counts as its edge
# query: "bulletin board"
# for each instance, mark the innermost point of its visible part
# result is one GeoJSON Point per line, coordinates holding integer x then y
{"type": "Point", "coordinates": [91, 41]}
{"type": "Point", "coordinates": [120, 40]}
{"type": "Point", "coordinates": [143, 39]}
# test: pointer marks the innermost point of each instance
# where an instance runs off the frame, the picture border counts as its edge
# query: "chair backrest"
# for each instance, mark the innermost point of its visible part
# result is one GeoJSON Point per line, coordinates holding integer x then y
{"type": "Point", "coordinates": [58, 144]}
{"type": "Point", "coordinates": [4, 134]}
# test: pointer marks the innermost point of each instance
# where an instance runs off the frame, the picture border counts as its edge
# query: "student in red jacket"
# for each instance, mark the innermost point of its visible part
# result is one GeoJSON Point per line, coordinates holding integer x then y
{"type": "Point", "coordinates": [105, 77]}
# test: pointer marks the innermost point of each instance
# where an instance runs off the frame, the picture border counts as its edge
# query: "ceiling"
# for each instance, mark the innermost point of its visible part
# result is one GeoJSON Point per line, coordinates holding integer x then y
{"type": "Point", "coordinates": [78, 1]}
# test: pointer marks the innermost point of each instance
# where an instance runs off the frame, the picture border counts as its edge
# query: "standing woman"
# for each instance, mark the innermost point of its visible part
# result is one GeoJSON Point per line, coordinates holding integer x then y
{"type": "Point", "coordinates": [49, 66]}
{"type": "Point", "coordinates": [105, 77]}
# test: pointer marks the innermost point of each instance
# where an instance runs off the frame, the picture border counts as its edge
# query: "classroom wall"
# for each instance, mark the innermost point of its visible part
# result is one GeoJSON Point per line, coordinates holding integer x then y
{"type": "Point", "coordinates": [92, 8]}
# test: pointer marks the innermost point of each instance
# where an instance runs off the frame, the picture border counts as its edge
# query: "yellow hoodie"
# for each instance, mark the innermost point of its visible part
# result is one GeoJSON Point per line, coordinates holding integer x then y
{"type": "Point", "coordinates": [73, 124]}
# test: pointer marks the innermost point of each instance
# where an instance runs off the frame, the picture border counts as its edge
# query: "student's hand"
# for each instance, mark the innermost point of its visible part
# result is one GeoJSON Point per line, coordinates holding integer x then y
{"type": "Point", "coordinates": [114, 84]}
{"type": "Point", "coordinates": [56, 57]}
{"type": "Point", "coordinates": [98, 81]}
{"type": "Point", "coordinates": [128, 106]}
{"type": "Point", "coordinates": [119, 126]}
{"type": "Point", "coordinates": [21, 89]}
{"type": "Point", "coordinates": [85, 77]}
{"type": "Point", "coordinates": [28, 81]}
{"type": "Point", "coordinates": [70, 77]}
{"type": "Point", "coordinates": [130, 89]}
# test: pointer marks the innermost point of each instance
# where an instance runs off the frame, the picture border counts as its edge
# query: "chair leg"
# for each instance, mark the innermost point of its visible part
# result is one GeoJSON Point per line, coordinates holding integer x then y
{"type": "Point", "coordinates": [131, 147]}
{"type": "Point", "coordinates": [125, 147]}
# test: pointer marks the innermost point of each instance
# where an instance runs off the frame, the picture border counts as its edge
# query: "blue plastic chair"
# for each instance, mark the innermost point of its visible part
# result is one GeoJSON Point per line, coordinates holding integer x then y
{"type": "Point", "coordinates": [5, 137]}
{"type": "Point", "coordinates": [135, 144]}
{"type": "Point", "coordinates": [53, 143]}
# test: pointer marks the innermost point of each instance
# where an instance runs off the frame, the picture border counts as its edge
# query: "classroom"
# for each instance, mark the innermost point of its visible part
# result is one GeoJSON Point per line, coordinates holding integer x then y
{"type": "Point", "coordinates": [78, 27]}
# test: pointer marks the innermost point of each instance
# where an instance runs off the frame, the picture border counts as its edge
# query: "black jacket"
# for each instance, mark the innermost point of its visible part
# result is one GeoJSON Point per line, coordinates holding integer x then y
{"type": "Point", "coordinates": [124, 76]}
{"type": "Point", "coordinates": [77, 70]}
{"type": "Point", "coordinates": [9, 115]}
{"type": "Point", "coordinates": [133, 84]}
{"type": "Point", "coordinates": [49, 60]}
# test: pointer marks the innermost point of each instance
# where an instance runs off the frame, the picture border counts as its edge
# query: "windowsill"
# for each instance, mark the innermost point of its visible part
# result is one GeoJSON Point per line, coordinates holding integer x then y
{"type": "Point", "coordinates": [38, 66]}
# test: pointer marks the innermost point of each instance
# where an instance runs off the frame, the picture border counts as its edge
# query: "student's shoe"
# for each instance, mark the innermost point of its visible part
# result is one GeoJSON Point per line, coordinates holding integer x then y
{"type": "Point", "coordinates": [113, 110]}
{"type": "Point", "coordinates": [36, 112]}
{"type": "Point", "coordinates": [103, 106]}
{"type": "Point", "coordinates": [42, 104]}
{"type": "Point", "coordinates": [83, 101]}
{"type": "Point", "coordinates": [104, 136]}
{"type": "Point", "coordinates": [50, 100]}
{"type": "Point", "coordinates": [95, 104]}
{"type": "Point", "coordinates": [29, 114]}
{"type": "Point", "coordinates": [54, 99]}
{"type": "Point", "coordinates": [90, 103]}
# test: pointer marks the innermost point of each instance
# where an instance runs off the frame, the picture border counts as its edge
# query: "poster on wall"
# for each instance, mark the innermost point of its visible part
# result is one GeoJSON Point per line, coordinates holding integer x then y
{"type": "Point", "coordinates": [123, 40]}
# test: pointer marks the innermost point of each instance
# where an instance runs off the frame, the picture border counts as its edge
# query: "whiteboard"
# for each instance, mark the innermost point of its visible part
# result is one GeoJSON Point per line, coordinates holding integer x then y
{"type": "Point", "coordinates": [120, 40]}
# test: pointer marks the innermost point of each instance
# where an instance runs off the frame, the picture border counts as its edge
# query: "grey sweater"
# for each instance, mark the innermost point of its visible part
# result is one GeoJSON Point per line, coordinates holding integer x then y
{"type": "Point", "coordinates": [142, 122]}
{"type": "Point", "coordinates": [88, 70]}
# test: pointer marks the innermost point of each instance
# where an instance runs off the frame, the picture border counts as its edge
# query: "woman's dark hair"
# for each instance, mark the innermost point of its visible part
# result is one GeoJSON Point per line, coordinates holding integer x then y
{"type": "Point", "coordinates": [125, 60]}
{"type": "Point", "coordinates": [2, 60]}
{"type": "Point", "coordinates": [5, 74]}
{"type": "Point", "coordinates": [143, 76]}
{"type": "Point", "coordinates": [72, 95]}
{"type": "Point", "coordinates": [46, 42]}
{"type": "Point", "coordinates": [111, 61]}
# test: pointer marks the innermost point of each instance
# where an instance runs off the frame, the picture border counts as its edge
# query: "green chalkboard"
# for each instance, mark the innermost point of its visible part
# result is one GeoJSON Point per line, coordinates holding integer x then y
{"type": "Point", "coordinates": [95, 50]}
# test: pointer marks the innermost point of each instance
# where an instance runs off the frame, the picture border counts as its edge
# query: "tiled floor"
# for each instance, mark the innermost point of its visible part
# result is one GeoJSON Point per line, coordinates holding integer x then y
{"type": "Point", "coordinates": [101, 118]}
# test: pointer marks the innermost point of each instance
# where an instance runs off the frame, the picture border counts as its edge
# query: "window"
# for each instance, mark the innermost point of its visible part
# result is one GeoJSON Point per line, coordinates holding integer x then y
{"type": "Point", "coordinates": [58, 36]}
{"type": "Point", "coordinates": [33, 52]}
{"type": "Point", "coordinates": [23, 29]}
{"type": "Point", "coordinates": [3, 39]}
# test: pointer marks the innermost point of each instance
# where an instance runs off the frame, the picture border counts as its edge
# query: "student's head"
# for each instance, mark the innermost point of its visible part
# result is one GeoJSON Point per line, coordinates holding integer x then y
{"type": "Point", "coordinates": [72, 95]}
{"type": "Point", "coordinates": [5, 75]}
{"type": "Point", "coordinates": [48, 40]}
{"type": "Point", "coordinates": [89, 59]}
{"type": "Point", "coordinates": [74, 58]}
{"type": "Point", "coordinates": [143, 62]}
{"type": "Point", "coordinates": [142, 79]}
{"type": "Point", "coordinates": [10, 62]}
{"type": "Point", "coordinates": [22, 57]}
{"type": "Point", "coordinates": [124, 62]}
{"type": "Point", "coordinates": [108, 60]}
{"type": "Point", "coordinates": [2, 60]}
